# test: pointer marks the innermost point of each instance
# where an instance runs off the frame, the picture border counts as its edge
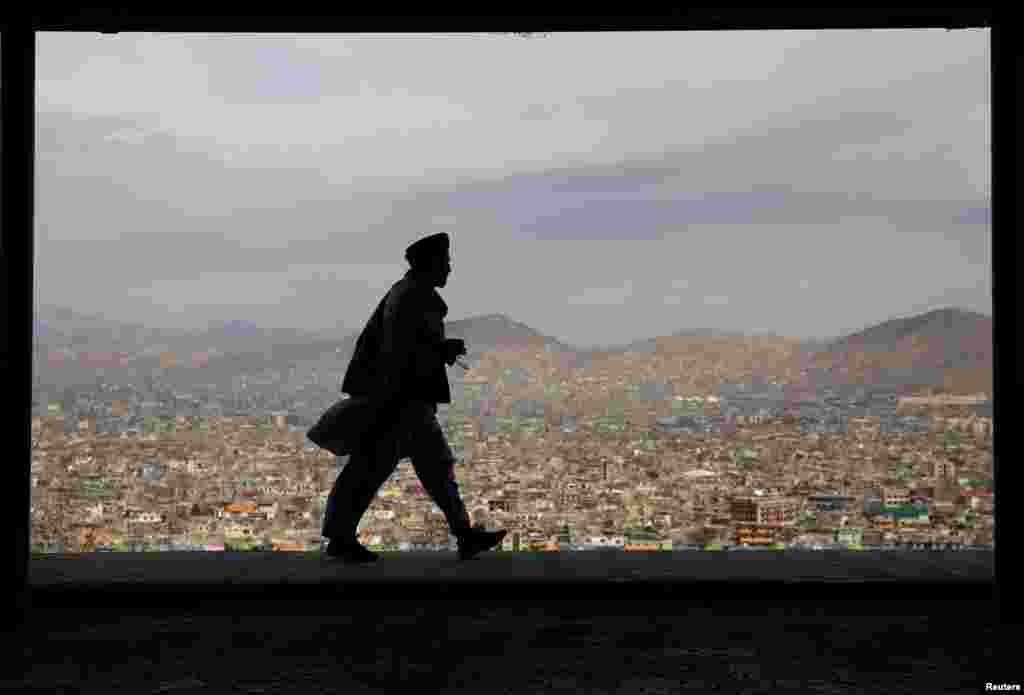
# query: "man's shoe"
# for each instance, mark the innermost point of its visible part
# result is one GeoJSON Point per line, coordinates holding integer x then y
{"type": "Point", "coordinates": [476, 541]}
{"type": "Point", "coordinates": [352, 552]}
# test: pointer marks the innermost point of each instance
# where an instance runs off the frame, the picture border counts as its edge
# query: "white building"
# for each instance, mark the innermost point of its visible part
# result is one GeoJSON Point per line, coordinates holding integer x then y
{"type": "Point", "coordinates": [146, 518]}
{"type": "Point", "coordinates": [236, 530]}
{"type": "Point", "coordinates": [603, 541]}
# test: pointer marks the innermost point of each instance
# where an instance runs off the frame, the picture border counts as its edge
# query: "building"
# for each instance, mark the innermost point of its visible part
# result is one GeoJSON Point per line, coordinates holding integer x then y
{"type": "Point", "coordinates": [237, 510]}
{"type": "Point", "coordinates": [285, 546]}
{"type": "Point", "coordinates": [885, 522]}
{"type": "Point", "coordinates": [944, 470]}
{"type": "Point", "coordinates": [906, 513]}
{"type": "Point", "coordinates": [565, 538]}
{"type": "Point", "coordinates": [979, 500]}
{"type": "Point", "coordinates": [830, 503]}
{"type": "Point", "coordinates": [850, 536]}
{"type": "Point", "coordinates": [236, 531]}
{"type": "Point", "coordinates": [942, 399]}
{"type": "Point", "coordinates": [645, 539]}
{"type": "Point", "coordinates": [754, 534]}
{"type": "Point", "coordinates": [499, 505]}
{"type": "Point", "coordinates": [146, 518]}
{"type": "Point", "coordinates": [894, 497]}
{"type": "Point", "coordinates": [765, 511]}
{"type": "Point", "coordinates": [606, 541]}
{"type": "Point", "coordinates": [639, 545]}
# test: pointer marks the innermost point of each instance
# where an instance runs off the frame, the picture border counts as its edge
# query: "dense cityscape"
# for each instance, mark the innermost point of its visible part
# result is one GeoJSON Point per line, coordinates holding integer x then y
{"type": "Point", "coordinates": [567, 456]}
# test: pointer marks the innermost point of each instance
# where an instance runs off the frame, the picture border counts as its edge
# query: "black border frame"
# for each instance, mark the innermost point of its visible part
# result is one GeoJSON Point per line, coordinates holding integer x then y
{"type": "Point", "coordinates": [17, 113]}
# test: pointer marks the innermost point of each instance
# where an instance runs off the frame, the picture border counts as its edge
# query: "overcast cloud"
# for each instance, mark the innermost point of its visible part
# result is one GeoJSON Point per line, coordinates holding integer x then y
{"type": "Point", "coordinates": [598, 187]}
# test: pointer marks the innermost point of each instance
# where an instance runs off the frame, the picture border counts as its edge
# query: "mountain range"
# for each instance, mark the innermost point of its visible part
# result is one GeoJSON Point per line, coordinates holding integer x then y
{"type": "Point", "coordinates": [948, 348]}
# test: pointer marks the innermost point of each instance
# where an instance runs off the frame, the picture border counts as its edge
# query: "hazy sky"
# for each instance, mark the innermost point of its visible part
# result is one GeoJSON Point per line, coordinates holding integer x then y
{"type": "Point", "coordinates": [599, 187]}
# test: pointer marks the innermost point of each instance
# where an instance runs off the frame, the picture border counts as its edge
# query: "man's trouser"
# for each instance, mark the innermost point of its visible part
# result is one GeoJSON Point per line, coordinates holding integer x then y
{"type": "Point", "coordinates": [416, 435]}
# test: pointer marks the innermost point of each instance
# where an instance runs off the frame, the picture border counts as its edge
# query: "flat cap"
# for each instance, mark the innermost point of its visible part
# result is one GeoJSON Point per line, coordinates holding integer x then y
{"type": "Point", "coordinates": [427, 247]}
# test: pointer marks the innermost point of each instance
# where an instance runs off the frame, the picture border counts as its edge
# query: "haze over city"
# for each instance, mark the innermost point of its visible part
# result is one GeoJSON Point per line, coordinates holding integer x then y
{"type": "Point", "coordinates": [599, 187]}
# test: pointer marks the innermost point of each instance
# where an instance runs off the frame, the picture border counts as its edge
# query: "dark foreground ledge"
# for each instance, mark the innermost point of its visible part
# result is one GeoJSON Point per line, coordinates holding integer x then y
{"type": "Point", "coordinates": [122, 581]}
{"type": "Point", "coordinates": [779, 622]}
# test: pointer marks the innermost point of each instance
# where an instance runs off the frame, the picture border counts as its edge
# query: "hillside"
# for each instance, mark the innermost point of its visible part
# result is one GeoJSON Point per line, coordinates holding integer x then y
{"type": "Point", "coordinates": [948, 350]}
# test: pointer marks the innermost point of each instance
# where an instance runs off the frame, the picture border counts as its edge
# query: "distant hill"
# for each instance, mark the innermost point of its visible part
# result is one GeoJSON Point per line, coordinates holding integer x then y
{"type": "Point", "coordinates": [58, 327]}
{"type": "Point", "coordinates": [651, 344]}
{"type": "Point", "coordinates": [70, 346]}
{"type": "Point", "coordinates": [949, 324]}
{"type": "Point", "coordinates": [482, 334]}
{"type": "Point", "coordinates": [243, 336]}
{"type": "Point", "coordinates": [499, 332]}
{"type": "Point", "coordinates": [947, 349]}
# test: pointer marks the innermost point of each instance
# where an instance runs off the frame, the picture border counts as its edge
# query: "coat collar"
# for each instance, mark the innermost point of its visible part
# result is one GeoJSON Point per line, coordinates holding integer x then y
{"type": "Point", "coordinates": [413, 281]}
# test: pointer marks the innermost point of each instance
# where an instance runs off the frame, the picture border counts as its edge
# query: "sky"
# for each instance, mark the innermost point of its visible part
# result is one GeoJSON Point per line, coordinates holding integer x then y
{"type": "Point", "coordinates": [598, 187]}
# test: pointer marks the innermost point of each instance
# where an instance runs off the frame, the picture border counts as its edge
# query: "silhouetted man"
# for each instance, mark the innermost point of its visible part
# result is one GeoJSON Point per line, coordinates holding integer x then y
{"type": "Point", "coordinates": [399, 359]}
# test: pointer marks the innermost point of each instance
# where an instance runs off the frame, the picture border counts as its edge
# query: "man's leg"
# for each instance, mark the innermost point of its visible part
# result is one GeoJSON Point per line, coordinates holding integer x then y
{"type": "Point", "coordinates": [355, 488]}
{"type": "Point", "coordinates": [438, 480]}
{"type": "Point", "coordinates": [434, 463]}
{"type": "Point", "coordinates": [435, 466]}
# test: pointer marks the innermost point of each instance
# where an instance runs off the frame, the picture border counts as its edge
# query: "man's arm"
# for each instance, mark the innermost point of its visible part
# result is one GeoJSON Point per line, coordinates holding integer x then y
{"type": "Point", "coordinates": [435, 343]}
{"type": "Point", "coordinates": [432, 330]}
{"type": "Point", "coordinates": [430, 341]}
{"type": "Point", "coordinates": [417, 344]}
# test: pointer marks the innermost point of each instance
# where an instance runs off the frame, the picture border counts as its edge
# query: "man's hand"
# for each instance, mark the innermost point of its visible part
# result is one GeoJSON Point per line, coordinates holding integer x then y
{"type": "Point", "coordinates": [454, 348]}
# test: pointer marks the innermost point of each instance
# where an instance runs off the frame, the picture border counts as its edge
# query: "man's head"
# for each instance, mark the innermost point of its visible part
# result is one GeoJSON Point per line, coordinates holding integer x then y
{"type": "Point", "coordinates": [433, 270]}
{"type": "Point", "coordinates": [430, 259]}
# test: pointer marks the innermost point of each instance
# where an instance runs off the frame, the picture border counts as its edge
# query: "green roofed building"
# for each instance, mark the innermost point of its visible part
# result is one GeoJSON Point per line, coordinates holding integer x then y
{"type": "Point", "coordinates": [532, 425]}
{"type": "Point", "coordinates": [691, 408]}
{"type": "Point", "coordinates": [746, 456]}
{"type": "Point", "coordinates": [607, 424]}
{"type": "Point", "coordinates": [97, 488]}
{"type": "Point", "coordinates": [850, 536]}
{"type": "Point", "coordinates": [507, 423]}
{"type": "Point", "coordinates": [641, 535]}
{"type": "Point", "coordinates": [905, 511]}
